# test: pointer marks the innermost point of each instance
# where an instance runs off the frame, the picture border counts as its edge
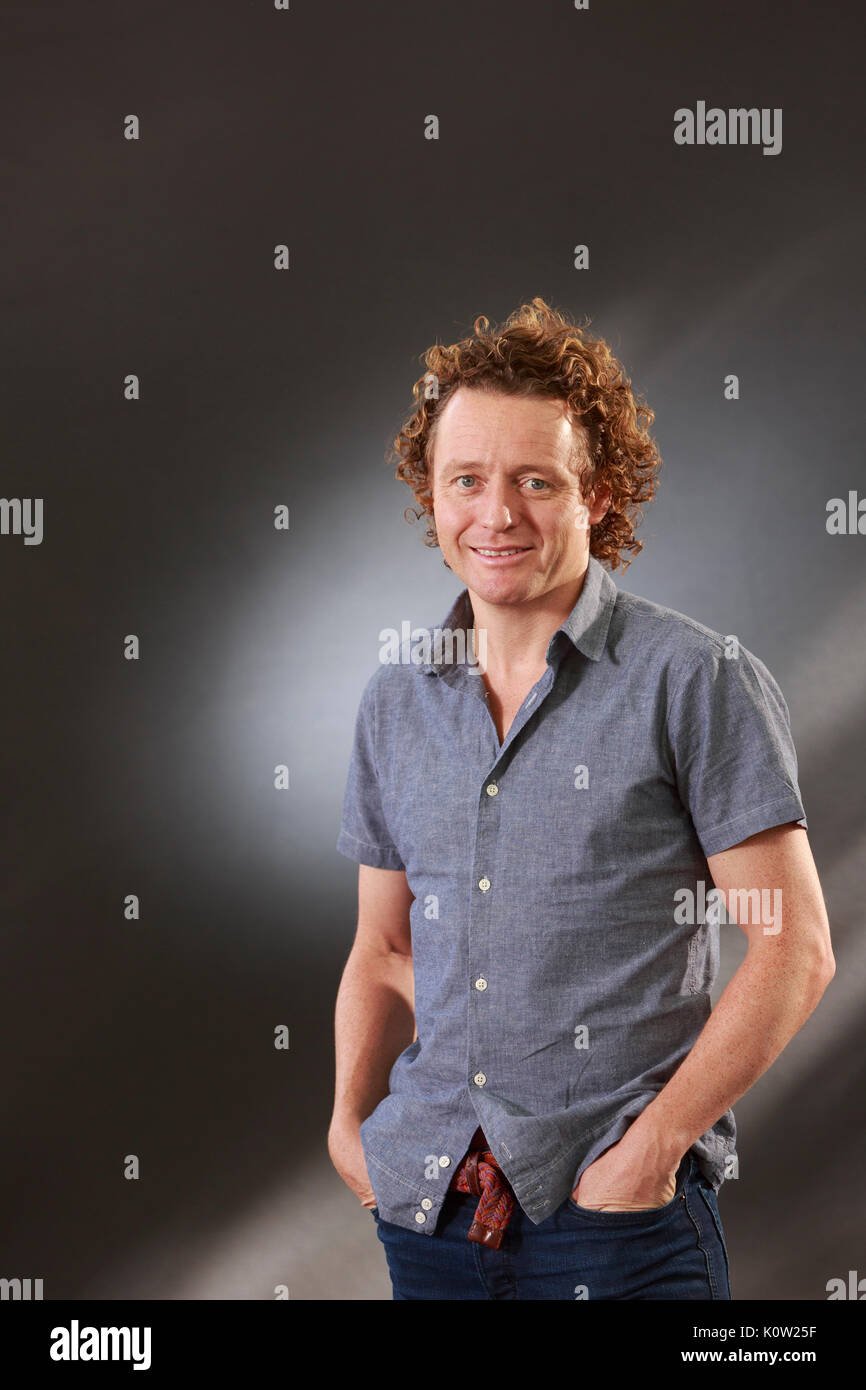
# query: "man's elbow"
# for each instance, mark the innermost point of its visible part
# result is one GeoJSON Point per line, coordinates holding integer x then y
{"type": "Point", "coordinates": [821, 970]}
{"type": "Point", "coordinates": [828, 966]}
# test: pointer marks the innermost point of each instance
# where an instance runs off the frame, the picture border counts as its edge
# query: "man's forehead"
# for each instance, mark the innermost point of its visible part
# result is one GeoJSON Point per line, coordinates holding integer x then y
{"type": "Point", "coordinates": [468, 407]}
{"type": "Point", "coordinates": [480, 431]}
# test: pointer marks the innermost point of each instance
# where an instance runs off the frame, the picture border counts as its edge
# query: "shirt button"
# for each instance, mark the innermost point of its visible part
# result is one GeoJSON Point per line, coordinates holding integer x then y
{"type": "Point", "coordinates": [530, 698]}
{"type": "Point", "coordinates": [445, 1161]}
{"type": "Point", "coordinates": [479, 1078]}
{"type": "Point", "coordinates": [492, 789]}
{"type": "Point", "coordinates": [426, 1203]}
{"type": "Point", "coordinates": [481, 983]}
{"type": "Point", "coordinates": [484, 884]}
{"type": "Point", "coordinates": [420, 1218]}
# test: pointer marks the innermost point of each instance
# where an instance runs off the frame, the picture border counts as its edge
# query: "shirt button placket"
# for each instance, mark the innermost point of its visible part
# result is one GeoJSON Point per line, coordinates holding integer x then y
{"type": "Point", "coordinates": [482, 925]}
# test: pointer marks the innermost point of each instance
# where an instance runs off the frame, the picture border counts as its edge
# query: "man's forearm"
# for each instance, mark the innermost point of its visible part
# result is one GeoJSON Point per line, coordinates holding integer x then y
{"type": "Point", "coordinates": [374, 1022]}
{"type": "Point", "coordinates": [764, 1004]}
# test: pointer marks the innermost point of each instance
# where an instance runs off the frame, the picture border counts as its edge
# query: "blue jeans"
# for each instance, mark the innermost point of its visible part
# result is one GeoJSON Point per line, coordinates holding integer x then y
{"type": "Point", "coordinates": [676, 1251]}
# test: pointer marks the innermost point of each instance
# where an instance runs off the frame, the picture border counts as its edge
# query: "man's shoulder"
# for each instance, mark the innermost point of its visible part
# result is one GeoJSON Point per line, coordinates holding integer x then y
{"type": "Point", "coordinates": [655, 621]}
{"type": "Point", "coordinates": [643, 618]}
{"type": "Point", "coordinates": [679, 643]}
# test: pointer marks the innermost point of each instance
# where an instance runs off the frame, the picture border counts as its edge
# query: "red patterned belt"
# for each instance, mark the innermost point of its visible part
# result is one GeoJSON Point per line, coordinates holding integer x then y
{"type": "Point", "coordinates": [479, 1173]}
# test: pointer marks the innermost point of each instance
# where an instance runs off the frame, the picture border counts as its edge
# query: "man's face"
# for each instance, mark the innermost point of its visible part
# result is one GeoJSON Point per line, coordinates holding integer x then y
{"type": "Point", "coordinates": [504, 478]}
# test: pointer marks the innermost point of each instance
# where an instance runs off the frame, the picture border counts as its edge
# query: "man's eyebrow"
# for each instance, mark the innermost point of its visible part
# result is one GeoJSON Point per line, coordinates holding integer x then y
{"type": "Point", "coordinates": [538, 465]}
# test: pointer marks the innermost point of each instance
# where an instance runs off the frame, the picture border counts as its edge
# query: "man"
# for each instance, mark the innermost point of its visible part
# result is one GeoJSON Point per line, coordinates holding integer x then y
{"type": "Point", "coordinates": [533, 1093]}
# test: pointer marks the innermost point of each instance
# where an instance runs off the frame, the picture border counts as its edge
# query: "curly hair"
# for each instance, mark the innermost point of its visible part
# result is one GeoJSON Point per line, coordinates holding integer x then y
{"type": "Point", "coordinates": [538, 351]}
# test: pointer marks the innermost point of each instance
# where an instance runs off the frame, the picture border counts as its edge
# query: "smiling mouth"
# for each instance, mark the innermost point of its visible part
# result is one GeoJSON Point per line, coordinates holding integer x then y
{"type": "Point", "coordinates": [493, 553]}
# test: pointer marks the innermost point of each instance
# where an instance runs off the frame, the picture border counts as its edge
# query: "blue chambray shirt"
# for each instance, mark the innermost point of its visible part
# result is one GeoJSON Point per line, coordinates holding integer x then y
{"type": "Point", "coordinates": [557, 986]}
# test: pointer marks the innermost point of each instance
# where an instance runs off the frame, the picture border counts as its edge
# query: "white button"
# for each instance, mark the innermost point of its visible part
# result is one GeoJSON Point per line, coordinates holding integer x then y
{"type": "Point", "coordinates": [484, 884]}
{"type": "Point", "coordinates": [426, 1203]}
{"type": "Point", "coordinates": [479, 1078]}
{"type": "Point", "coordinates": [530, 698]}
{"type": "Point", "coordinates": [481, 983]}
{"type": "Point", "coordinates": [445, 1161]}
{"type": "Point", "coordinates": [492, 789]}
{"type": "Point", "coordinates": [420, 1218]}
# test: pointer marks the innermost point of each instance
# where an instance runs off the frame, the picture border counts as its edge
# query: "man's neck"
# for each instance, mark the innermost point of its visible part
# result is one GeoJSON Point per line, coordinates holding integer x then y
{"type": "Point", "coordinates": [517, 635]}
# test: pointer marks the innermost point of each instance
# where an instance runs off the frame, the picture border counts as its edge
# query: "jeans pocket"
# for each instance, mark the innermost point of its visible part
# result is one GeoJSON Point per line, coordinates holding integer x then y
{"type": "Point", "coordinates": [642, 1214]}
{"type": "Point", "coordinates": [623, 1218]}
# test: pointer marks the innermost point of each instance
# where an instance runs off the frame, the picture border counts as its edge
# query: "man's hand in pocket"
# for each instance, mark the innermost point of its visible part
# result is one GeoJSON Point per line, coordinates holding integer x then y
{"type": "Point", "coordinates": [347, 1155]}
{"type": "Point", "coordinates": [621, 1180]}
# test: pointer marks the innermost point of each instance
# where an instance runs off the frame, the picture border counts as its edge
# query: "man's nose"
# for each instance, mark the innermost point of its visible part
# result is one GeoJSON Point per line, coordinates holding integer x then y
{"type": "Point", "coordinates": [496, 511]}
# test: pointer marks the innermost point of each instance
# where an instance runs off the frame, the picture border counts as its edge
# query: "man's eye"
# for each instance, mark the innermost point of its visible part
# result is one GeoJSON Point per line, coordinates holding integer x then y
{"type": "Point", "coordinates": [469, 478]}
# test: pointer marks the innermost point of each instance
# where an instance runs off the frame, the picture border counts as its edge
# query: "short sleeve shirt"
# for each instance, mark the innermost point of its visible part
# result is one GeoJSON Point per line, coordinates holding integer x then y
{"type": "Point", "coordinates": [563, 959]}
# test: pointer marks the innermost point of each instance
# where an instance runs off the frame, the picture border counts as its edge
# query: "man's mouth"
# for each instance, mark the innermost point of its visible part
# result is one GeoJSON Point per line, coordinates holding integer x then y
{"type": "Point", "coordinates": [500, 552]}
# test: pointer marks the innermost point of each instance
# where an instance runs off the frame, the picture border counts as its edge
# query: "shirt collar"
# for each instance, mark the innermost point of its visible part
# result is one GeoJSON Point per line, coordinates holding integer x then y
{"type": "Point", "coordinates": [586, 625]}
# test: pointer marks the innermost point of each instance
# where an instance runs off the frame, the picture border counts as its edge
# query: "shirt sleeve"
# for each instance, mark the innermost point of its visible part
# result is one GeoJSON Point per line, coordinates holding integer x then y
{"type": "Point", "coordinates": [733, 752]}
{"type": "Point", "coordinates": [364, 834]}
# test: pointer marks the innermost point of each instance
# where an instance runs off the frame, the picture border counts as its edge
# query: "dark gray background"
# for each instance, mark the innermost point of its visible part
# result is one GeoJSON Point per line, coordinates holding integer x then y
{"type": "Point", "coordinates": [259, 388]}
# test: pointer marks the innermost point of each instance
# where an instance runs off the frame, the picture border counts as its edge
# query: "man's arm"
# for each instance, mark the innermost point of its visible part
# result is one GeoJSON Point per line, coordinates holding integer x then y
{"type": "Point", "coordinates": [375, 1016]}
{"type": "Point", "coordinates": [766, 1002]}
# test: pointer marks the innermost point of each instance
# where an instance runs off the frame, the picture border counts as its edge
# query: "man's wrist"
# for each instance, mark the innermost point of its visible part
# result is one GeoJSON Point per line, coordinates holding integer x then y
{"type": "Point", "coordinates": [345, 1122]}
{"type": "Point", "coordinates": [662, 1141]}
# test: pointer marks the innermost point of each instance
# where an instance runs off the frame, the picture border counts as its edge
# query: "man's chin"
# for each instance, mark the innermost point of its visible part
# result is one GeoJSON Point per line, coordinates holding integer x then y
{"type": "Point", "coordinates": [507, 593]}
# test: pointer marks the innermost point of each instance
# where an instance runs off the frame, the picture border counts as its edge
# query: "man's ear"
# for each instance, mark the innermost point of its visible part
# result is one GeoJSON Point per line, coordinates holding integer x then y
{"type": "Point", "coordinates": [598, 502]}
